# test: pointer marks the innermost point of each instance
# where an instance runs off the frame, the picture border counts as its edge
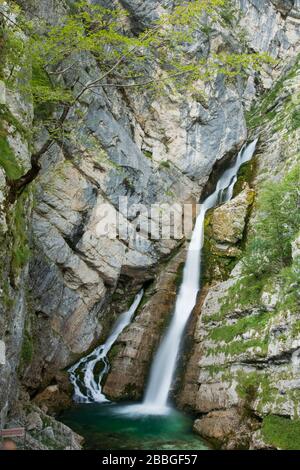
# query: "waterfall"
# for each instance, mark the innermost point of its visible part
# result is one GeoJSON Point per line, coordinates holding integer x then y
{"type": "Point", "coordinates": [164, 364]}
{"type": "Point", "coordinates": [85, 375]}
{"type": "Point", "coordinates": [88, 389]}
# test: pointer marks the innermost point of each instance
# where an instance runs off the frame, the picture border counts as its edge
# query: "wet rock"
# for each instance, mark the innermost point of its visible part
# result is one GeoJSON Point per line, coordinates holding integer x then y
{"type": "Point", "coordinates": [131, 356]}
{"type": "Point", "coordinates": [228, 221]}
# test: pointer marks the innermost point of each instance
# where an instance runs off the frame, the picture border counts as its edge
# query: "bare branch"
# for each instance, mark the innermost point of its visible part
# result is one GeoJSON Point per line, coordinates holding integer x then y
{"type": "Point", "coordinates": [60, 72]}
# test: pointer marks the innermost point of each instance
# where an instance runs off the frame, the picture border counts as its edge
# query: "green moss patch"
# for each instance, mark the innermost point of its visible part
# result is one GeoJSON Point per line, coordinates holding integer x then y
{"type": "Point", "coordinates": [279, 110]}
{"type": "Point", "coordinates": [245, 175]}
{"type": "Point", "coordinates": [20, 248]}
{"type": "Point", "coordinates": [229, 332]}
{"type": "Point", "coordinates": [235, 348]}
{"type": "Point", "coordinates": [282, 433]}
{"type": "Point", "coordinates": [165, 164]}
{"type": "Point", "coordinates": [267, 253]}
{"type": "Point", "coordinates": [246, 292]}
{"type": "Point", "coordinates": [27, 350]}
{"type": "Point", "coordinates": [8, 160]}
{"type": "Point", "coordinates": [253, 385]}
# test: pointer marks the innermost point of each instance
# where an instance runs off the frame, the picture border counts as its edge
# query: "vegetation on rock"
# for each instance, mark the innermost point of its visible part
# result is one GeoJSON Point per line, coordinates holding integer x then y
{"type": "Point", "coordinates": [269, 248]}
{"type": "Point", "coordinates": [281, 432]}
{"type": "Point", "coordinates": [158, 58]}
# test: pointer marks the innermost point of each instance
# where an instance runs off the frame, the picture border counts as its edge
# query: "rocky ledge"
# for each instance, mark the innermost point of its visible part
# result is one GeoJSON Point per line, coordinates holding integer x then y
{"type": "Point", "coordinates": [243, 375]}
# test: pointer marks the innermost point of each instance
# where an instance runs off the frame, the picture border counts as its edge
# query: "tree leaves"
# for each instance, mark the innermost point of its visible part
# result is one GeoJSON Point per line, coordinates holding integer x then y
{"type": "Point", "coordinates": [278, 221]}
{"type": "Point", "coordinates": [104, 33]}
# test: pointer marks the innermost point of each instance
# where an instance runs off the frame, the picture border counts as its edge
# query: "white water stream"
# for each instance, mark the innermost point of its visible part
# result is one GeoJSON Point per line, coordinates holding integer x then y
{"type": "Point", "coordinates": [164, 364]}
{"type": "Point", "coordinates": [82, 375]}
{"type": "Point", "coordinates": [88, 389]}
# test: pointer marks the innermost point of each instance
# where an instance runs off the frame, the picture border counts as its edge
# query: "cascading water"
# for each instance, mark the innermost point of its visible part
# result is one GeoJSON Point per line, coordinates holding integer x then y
{"type": "Point", "coordinates": [163, 367]}
{"type": "Point", "coordinates": [82, 375]}
{"type": "Point", "coordinates": [87, 388]}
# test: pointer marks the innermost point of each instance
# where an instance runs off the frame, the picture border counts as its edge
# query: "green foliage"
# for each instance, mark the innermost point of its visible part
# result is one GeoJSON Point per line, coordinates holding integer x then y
{"type": "Point", "coordinates": [6, 296]}
{"type": "Point", "coordinates": [27, 350]}
{"type": "Point", "coordinates": [269, 248]}
{"type": "Point", "coordinates": [148, 154]}
{"type": "Point", "coordinates": [267, 258]}
{"type": "Point", "coordinates": [228, 332]}
{"type": "Point", "coordinates": [282, 433]}
{"type": "Point", "coordinates": [8, 160]}
{"type": "Point", "coordinates": [290, 289]}
{"type": "Point", "coordinates": [165, 164]}
{"type": "Point", "coordinates": [282, 114]}
{"type": "Point", "coordinates": [121, 56]}
{"type": "Point", "coordinates": [17, 222]}
{"type": "Point", "coordinates": [268, 251]}
{"type": "Point", "coordinates": [43, 89]}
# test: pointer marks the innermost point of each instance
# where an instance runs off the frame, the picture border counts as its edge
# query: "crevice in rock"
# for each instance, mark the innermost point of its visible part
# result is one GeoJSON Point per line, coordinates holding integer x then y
{"type": "Point", "coordinates": [219, 167]}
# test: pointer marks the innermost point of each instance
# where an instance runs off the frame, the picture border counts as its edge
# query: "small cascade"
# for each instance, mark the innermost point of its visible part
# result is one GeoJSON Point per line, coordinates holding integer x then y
{"type": "Point", "coordinates": [164, 364]}
{"type": "Point", "coordinates": [87, 383]}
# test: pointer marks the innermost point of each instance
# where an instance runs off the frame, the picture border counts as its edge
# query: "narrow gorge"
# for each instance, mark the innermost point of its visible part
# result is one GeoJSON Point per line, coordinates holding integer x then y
{"type": "Point", "coordinates": [150, 224]}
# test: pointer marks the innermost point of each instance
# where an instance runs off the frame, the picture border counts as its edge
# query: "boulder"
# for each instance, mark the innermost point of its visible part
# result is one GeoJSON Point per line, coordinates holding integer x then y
{"type": "Point", "coordinates": [218, 425]}
{"type": "Point", "coordinates": [229, 220]}
{"type": "Point", "coordinates": [228, 429]}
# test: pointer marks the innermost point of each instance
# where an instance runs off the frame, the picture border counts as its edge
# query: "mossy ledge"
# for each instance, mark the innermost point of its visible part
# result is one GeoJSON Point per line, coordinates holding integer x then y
{"type": "Point", "coordinates": [282, 433]}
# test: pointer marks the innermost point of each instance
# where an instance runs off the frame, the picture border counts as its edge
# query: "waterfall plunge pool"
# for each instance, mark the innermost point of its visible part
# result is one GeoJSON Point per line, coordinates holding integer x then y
{"type": "Point", "coordinates": [120, 427]}
{"type": "Point", "coordinates": [150, 425]}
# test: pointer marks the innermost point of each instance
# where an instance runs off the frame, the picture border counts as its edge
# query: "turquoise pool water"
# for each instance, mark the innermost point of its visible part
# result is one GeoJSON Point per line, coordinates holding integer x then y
{"type": "Point", "coordinates": [112, 427]}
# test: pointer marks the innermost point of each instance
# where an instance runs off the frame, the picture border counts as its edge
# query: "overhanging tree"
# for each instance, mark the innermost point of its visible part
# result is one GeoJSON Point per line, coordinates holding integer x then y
{"type": "Point", "coordinates": [124, 59]}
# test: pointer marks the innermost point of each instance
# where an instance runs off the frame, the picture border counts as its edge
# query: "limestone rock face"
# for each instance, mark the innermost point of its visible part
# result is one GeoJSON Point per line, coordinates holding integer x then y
{"type": "Point", "coordinates": [130, 356]}
{"type": "Point", "coordinates": [246, 351]}
{"type": "Point", "coordinates": [145, 148]}
{"type": "Point", "coordinates": [228, 221]}
{"type": "Point", "coordinates": [45, 433]}
{"type": "Point", "coordinates": [14, 233]}
{"type": "Point", "coordinates": [57, 303]}
{"type": "Point", "coordinates": [284, 6]}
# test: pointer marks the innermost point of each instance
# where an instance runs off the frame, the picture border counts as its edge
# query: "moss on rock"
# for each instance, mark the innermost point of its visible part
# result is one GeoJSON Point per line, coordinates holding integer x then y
{"type": "Point", "coordinates": [282, 433]}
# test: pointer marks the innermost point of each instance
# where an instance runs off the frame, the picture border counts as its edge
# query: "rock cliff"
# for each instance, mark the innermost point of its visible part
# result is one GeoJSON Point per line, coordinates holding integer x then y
{"type": "Point", "coordinates": [61, 284]}
{"type": "Point", "coordinates": [245, 356]}
{"type": "Point", "coordinates": [230, 221]}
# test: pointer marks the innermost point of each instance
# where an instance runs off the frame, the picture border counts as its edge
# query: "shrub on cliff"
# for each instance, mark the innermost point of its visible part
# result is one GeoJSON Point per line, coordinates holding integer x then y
{"type": "Point", "coordinates": [269, 249]}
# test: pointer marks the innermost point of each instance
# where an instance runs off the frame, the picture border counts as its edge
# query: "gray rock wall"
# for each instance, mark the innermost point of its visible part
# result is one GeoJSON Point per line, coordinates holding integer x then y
{"type": "Point", "coordinates": [120, 143]}
{"type": "Point", "coordinates": [245, 357]}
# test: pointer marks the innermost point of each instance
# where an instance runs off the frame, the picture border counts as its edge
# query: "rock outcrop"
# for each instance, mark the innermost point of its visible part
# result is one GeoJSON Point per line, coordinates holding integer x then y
{"type": "Point", "coordinates": [132, 354]}
{"type": "Point", "coordinates": [58, 276]}
{"type": "Point", "coordinates": [247, 344]}
{"type": "Point", "coordinates": [229, 220]}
